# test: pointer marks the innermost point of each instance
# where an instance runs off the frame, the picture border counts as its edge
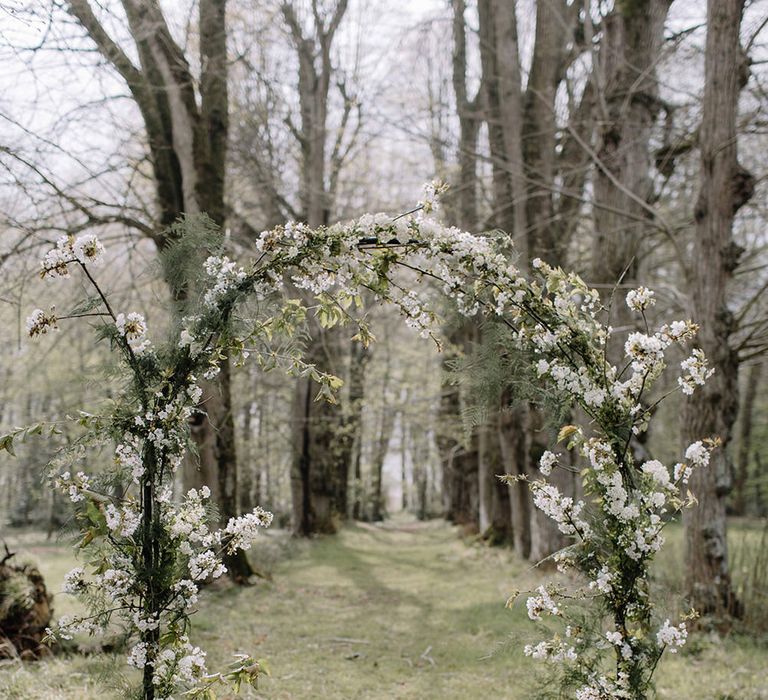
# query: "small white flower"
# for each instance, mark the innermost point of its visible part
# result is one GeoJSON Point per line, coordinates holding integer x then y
{"type": "Point", "coordinates": [671, 636]}
{"type": "Point", "coordinates": [133, 328]}
{"type": "Point", "coordinates": [87, 248]}
{"type": "Point", "coordinates": [39, 322]}
{"type": "Point", "coordinates": [138, 656]}
{"type": "Point", "coordinates": [74, 581]}
{"type": "Point", "coordinates": [185, 338]}
{"type": "Point", "coordinates": [657, 471]}
{"type": "Point", "coordinates": [698, 454]}
{"type": "Point", "coordinates": [640, 299]}
{"type": "Point", "coordinates": [541, 603]}
{"type": "Point", "coordinates": [547, 461]}
{"type": "Point", "coordinates": [122, 522]}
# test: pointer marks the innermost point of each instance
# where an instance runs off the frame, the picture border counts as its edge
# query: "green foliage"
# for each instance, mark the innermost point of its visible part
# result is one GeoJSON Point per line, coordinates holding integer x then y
{"type": "Point", "coordinates": [495, 373]}
{"type": "Point", "coordinates": [192, 239]}
{"type": "Point", "coordinates": [22, 434]}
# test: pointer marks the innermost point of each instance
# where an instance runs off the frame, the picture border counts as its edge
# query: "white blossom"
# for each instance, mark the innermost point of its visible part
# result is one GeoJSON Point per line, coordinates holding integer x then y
{"type": "Point", "coordinates": [640, 299]}
{"type": "Point", "coordinates": [122, 521]}
{"type": "Point", "coordinates": [133, 328]}
{"type": "Point", "coordinates": [695, 372]}
{"type": "Point", "coordinates": [138, 656]}
{"type": "Point", "coordinates": [87, 249]}
{"type": "Point", "coordinates": [546, 462]}
{"type": "Point", "coordinates": [205, 565]}
{"type": "Point", "coordinates": [74, 581]}
{"type": "Point", "coordinates": [671, 636]}
{"type": "Point", "coordinates": [541, 603]}
{"type": "Point", "coordinates": [657, 471]}
{"type": "Point", "coordinates": [242, 531]}
{"type": "Point", "coordinates": [54, 263]}
{"type": "Point", "coordinates": [116, 582]}
{"type": "Point", "coordinates": [683, 472]}
{"type": "Point", "coordinates": [698, 454]}
{"type": "Point", "coordinates": [603, 581]}
{"type": "Point", "coordinates": [39, 322]}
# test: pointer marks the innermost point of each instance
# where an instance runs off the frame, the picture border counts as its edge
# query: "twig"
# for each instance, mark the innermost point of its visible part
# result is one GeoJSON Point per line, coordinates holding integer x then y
{"type": "Point", "coordinates": [8, 554]}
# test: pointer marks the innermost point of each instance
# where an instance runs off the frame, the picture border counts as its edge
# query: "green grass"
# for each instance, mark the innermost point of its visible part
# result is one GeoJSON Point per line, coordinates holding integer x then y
{"type": "Point", "coordinates": [403, 610]}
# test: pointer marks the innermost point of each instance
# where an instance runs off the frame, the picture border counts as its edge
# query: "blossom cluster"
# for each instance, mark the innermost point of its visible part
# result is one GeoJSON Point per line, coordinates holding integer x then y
{"type": "Point", "coordinates": [224, 273]}
{"type": "Point", "coordinates": [85, 249]}
{"type": "Point", "coordinates": [671, 636]}
{"type": "Point", "coordinates": [633, 501]}
{"type": "Point", "coordinates": [133, 327]}
{"type": "Point", "coordinates": [39, 322]}
{"type": "Point", "coordinates": [151, 432]}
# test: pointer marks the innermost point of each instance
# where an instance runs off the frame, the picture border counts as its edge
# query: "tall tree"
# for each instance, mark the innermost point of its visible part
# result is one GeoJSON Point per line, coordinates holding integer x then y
{"type": "Point", "coordinates": [626, 104]}
{"type": "Point", "coordinates": [711, 411]}
{"type": "Point", "coordinates": [539, 171]}
{"type": "Point", "coordinates": [322, 448]}
{"type": "Point", "coordinates": [500, 59]}
{"type": "Point", "coordinates": [186, 124]}
{"type": "Point", "coordinates": [467, 501]}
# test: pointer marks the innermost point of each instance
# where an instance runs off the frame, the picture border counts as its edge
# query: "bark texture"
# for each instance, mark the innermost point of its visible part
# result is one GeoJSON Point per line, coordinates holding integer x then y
{"type": "Point", "coordinates": [539, 171]}
{"type": "Point", "coordinates": [711, 411]}
{"type": "Point", "coordinates": [466, 499]}
{"type": "Point", "coordinates": [627, 104]}
{"type": "Point", "coordinates": [746, 417]}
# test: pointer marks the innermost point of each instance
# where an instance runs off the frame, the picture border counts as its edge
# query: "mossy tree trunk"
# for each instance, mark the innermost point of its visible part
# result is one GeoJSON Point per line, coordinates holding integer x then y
{"type": "Point", "coordinates": [25, 610]}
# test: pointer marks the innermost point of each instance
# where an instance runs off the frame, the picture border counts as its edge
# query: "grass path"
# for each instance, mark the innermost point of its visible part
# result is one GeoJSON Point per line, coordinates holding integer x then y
{"type": "Point", "coordinates": [400, 610]}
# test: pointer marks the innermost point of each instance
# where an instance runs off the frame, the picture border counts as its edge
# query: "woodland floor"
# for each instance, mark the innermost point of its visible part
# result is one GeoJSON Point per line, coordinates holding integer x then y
{"type": "Point", "coordinates": [399, 610]}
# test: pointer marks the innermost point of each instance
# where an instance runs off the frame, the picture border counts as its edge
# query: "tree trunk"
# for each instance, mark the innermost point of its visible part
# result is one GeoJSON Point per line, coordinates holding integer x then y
{"type": "Point", "coordinates": [245, 502]}
{"type": "Point", "coordinates": [315, 455]}
{"type": "Point", "coordinates": [745, 439]}
{"type": "Point", "coordinates": [540, 129]}
{"type": "Point", "coordinates": [381, 446]}
{"type": "Point", "coordinates": [188, 149]}
{"type": "Point", "coordinates": [404, 458]}
{"type": "Point", "coordinates": [495, 514]}
{"type": "Point", "coordinates": [524, 140]}
{"type": "Point", "coordinates": [500, 59]}
{"type": "Point", "coordinates": [317, 458]}
{"type": "Point", "coordinates": [515, 453]}
{"type": "Point", "coordinates": [460, 457]}
{"type": "Point", "coordinates": [350, 460]}
{"type": "Point", "coordinates": [712, 409]}
{"type": "Point", "coordinates": [627, 106]}
{"type": "Point", "coordinates": [25, 610]}
{"type": "Point", "coordinates": [420, 452]}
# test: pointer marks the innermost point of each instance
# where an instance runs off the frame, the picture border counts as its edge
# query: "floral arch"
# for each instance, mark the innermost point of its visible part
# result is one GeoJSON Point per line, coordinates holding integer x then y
{"type": "Point", "coordinates": [152, 554]}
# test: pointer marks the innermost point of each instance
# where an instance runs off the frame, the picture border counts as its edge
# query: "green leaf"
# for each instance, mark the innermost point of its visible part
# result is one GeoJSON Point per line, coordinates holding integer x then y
{"type": "Point", "coordinates": [335, 382]}
{"type": "Point", "coordinates": [6, 443]}
{"type": "Point", "coordinates": [86, 305]}
{"type": "Point", "coordinates": [566, 431]}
